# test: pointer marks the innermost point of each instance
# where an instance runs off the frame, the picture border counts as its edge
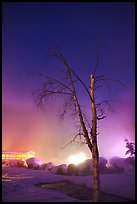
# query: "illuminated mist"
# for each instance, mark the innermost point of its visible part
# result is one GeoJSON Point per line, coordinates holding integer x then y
{"type": "Point", "coordinates": [119, 125]}
{"type": "Point", "coordinates": [26, 128]}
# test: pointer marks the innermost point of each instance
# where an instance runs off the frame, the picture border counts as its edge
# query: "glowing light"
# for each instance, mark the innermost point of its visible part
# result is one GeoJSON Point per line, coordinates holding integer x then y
{"type": "Point", "coordinates": [17, 155]}
{"type": "Point", "coordinates": [77, 158]}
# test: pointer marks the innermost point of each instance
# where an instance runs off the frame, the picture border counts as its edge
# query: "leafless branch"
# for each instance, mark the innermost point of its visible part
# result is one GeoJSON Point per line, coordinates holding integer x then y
{"type": "Point", "coordinates": [73, 140]}
{"type": "Point", "coordinates": [87, 120]}
{"type": "Point", "coordinates": [63, 111]}
{"type": "Point", "coordinates": [115, 80]}
{"type": "Point", "coordinates": [96, 98]}
{"type": "Point", "coordinates": [105, 80]}
{"type": "Point", "coordinates": [101, 118]}
{"type": "Point", "coordinates": [105, 101]}
{"type": "Point", "coordinates": [60, 83]}
{"type": "Point", "coordinates": [98, 87]}
{"type": "Point", "coordinates": [108, 87]}
{"type": "Point", "coordinates": [68, 107]}
{"type": "Point", "coordinates": [52, 81]}
{"type": "Point", "coordinates": [60, 56]}
{"type": "Point", "coordinates": [99, 77]}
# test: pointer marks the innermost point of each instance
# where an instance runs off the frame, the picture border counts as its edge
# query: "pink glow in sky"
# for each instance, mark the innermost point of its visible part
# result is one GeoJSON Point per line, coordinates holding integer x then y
{"type": "Point", "coordinates": [119, 125]}
{"type": "Point", "coordinates": [29, 129]}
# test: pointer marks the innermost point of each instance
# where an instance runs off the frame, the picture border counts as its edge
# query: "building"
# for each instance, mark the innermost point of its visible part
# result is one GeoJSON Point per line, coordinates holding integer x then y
{"type": "Point", "coordinates": [18, 155]}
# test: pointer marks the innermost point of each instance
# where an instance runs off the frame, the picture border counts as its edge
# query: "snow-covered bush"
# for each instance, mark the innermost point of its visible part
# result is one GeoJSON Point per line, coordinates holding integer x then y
{"type": "Point", "coordinates": [47, 166]}
{"type": "Point", "coordinates": [14, 163]}
{"type": "Point", "coordinates": [111, 168]}
{"type": "Point", "coordinates": [130, 161]}
{"type": "Point", "coordinates": [21, 163]}
{"type": "Point", "coordinates": [5, 162]}
{"type": "Point", "coordinates": [129, 168]}
{"type": "Point", "coordinates": [73, 170]}
{"type": "Point", "coordinates": [102, 168]}
{"type": "Point", "coordinates": [130, 164]}
{"type": "Point", "coordinates": [82, 169]}
{"type": "Point", "coordinates": [63, 169]}
{"type": "Point", "coordinates": [102, 161]}
{"type": "Point", "coordinates": [85, 168]}
{"type": "Point", "coordinates": [88, 162]}
{"type": "Point", "coordinates": [102, 165]}
{"type": "Point", "coordinates": [60, 169]}
{"type": "Point", "coordinates": [50, 165]}
{"type": "Point", "coordinates": [34, 163]}
{"type": "Point", "coordinates": [117, 162]}
{"type": "Point", "coordinates": [43, 166]}
{"type": "Point", "coordinates": [54, 169]}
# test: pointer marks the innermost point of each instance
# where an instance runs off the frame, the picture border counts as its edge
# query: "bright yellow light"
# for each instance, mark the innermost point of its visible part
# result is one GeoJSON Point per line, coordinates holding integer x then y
{"type": "Point", "coordinates": [17, 155]}
{"type": "Point", "coordinates": [77, 158]}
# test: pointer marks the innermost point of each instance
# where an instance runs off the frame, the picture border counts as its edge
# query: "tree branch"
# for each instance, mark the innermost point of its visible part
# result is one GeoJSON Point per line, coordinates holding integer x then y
{"type": "Point", "coordinates": [105, 101]}
{"type": "Point", "coordinates": [61, 57]}
{"type": "Point", "coordinates": [100, 118]}
{"type": "Point", "coordinates": [73, 140]}
{"type": "Point", "coordinates": [98, 87]}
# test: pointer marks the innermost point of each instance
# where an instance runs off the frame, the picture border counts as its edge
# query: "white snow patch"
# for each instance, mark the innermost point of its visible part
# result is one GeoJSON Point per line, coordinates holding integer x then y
{"type": "Point", "coordinates": [18, 185]}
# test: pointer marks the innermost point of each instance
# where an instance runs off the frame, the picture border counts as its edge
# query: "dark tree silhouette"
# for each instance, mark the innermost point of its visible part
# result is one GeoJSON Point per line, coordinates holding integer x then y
{"type": "Point", "coordinates": [130, 148]}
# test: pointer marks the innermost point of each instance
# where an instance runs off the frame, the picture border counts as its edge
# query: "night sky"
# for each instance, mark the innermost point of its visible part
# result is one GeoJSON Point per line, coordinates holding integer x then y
{"type": "Point", "coordinates": [77, 29]}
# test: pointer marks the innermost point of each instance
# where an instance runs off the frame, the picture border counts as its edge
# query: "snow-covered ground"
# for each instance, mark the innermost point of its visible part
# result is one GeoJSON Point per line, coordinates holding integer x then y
{"type": "Point", "coordinates": [18, 185]}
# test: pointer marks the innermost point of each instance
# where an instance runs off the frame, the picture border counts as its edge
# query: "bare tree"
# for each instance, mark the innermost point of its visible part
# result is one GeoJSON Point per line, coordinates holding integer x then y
{"type": "Point", "coordinates": [88, 128]}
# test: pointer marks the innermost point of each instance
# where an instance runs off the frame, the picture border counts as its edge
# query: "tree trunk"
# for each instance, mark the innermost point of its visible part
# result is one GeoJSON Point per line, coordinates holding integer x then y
{"type": "Point", "coordinates": [85, 132]}
{"type": "Point", "coordinates": [95, 153]}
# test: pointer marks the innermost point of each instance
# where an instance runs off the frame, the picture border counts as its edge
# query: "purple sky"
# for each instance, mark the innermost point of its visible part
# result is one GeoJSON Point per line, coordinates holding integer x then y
{"type": "Point", "coordinates": [28, 30]}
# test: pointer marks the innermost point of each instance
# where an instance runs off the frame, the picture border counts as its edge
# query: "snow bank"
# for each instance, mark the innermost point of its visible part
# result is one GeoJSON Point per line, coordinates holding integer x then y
{"type": "Point", "coordinates": [128, 164]}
